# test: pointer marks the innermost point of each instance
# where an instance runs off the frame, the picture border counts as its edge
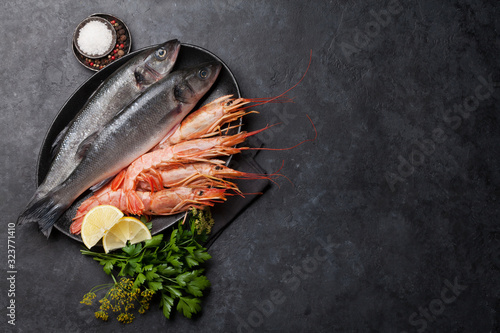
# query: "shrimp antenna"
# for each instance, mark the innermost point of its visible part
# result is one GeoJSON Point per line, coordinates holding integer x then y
{"type": "Point", "coordinates": [279, 174]}
{"type": "Point", "coordinates": [263, 101]}
{"type": "Point", "coordinates": [298, 144]}
{"type": "Point", "coordinates": [185, 217]}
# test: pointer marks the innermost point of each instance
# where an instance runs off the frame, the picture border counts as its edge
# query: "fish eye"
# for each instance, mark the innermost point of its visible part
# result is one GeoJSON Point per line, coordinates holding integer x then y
{"type": "Point", "coordinates": [203, 73]}
{"type": "Point", "coordinates": [200, 193]}
{"type": "Point", "coordinates": [218, 167]}
{"type": "Point", "coordinates": [161, 53]}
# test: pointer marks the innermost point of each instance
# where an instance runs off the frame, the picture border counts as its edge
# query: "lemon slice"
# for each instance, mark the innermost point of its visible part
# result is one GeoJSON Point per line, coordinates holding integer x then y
{"type": "Point", "coordinates": [97, 222]}
{"type": "Point", "coordinates": [126, 229]}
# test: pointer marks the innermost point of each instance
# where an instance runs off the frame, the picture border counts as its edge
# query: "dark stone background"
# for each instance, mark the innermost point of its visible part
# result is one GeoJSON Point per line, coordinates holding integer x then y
{"type": "Point", "coordinates": [391, 223]}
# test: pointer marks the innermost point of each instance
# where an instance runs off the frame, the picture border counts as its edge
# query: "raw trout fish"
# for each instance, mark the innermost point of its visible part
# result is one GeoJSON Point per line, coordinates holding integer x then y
{"type": "Point", "coordinates": [112, 95]}
{"type": "Point", "coordinates": [132, 132]}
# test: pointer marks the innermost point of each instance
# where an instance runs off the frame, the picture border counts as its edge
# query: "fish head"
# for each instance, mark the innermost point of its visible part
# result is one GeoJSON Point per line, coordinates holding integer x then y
{"type": "Point", "coordinates": [196, 81]}
{"type": "Point", "coordinates": [158, 63]}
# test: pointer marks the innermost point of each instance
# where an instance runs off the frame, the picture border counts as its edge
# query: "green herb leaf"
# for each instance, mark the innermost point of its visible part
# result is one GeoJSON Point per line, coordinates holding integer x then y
{"type": "Point", "coordinates": [166, 303]}
{"type": "Point", "coordinates": [190, 249]}
{"type": "Point", "coordinates": [191, 261]}
{"type": "Point", "coordinates": [108, 265]}
{"type": "Point", "coordinates": [188, 306]}
{"type": "Point", "coordinates": [128, 269]}
{"type": "Point", "coordinates": [173, 240]}
{"type": "Point", "coordinates": [166, 270]}
{"type": "Point", "coordinates": [198, 284]}
{"type": "Point", "coordinates": [201, 255]}
{"type": "Point", "coordinates": [155, 241]}
{"type": "Point", "coordinates": [139, 280]}
{"type": "Point", "coordinates": [151, 275]}
{"type": "Point", "coordinates": [174, 291]}
{"type": "Point", "coordinates": [155, 285]}
{"type": "Point", "coordinates": [182, 279]}
{"type": "Point", "coordinates": [174, 260]}
{"type": "Point", "coordinates": [132, 250]}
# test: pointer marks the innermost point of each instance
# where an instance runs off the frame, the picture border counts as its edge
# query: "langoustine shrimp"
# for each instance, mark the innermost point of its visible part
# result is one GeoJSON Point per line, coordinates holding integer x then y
{"type": "Point", "coordinates": [208, 120]}
{"type": "Point", "coordinates": [164, 202]}
{"type": "Point", "coordinates": [211, 173]}
{"type": "Point", "coordinates": [184, 152]}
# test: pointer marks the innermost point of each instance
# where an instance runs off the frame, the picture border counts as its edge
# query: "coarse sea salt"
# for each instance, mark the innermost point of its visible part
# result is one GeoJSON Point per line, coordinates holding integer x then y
{"type": "Point", "coordinates": [94, 38]}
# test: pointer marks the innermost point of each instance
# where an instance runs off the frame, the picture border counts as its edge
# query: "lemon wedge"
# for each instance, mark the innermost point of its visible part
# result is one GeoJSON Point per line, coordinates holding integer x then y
{"type": "Point", "coordinates": [97, 223]}
{"type": "Point", "coordinates": [126, 229]}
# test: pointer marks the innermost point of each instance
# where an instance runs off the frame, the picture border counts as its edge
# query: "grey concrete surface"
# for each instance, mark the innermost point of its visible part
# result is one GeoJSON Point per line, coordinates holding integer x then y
{"type": "Point", "coordinates": [390, 220]}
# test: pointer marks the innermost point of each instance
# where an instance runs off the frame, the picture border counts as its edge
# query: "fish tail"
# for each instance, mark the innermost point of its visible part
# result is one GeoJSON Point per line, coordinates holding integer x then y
{"type": "Point", "coordinates": [45, 211]}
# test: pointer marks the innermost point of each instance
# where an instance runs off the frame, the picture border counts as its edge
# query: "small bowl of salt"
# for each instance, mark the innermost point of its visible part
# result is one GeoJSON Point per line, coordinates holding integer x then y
{"type": "Point", "coordinates": [94, 37]}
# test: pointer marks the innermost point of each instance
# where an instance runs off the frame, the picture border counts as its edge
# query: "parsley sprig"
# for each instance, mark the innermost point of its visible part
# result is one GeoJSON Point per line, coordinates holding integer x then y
{"type": "Point", "coordinates": [170, 268]}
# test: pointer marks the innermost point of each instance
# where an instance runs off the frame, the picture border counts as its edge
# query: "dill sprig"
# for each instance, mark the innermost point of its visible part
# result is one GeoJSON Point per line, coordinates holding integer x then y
{"type": "Point", "coordinates": [121, 297]}
{"type": "Point", "coordinates": [203, 222]}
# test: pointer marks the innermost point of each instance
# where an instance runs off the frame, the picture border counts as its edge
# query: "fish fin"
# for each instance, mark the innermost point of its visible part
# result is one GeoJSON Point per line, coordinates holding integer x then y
{"type": "Point", "coordinates": [57, 142]}
{"type": "Point", "coordinates": [169, 134]}
{"type": "Point", "coordinates": [101, 184]}
{"type": "Point", "coordinates": [118, 180]}
{"type": "Point", "coordinates": [44, 211]}
{"type": "Point", "coordinates": [84, 146]}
